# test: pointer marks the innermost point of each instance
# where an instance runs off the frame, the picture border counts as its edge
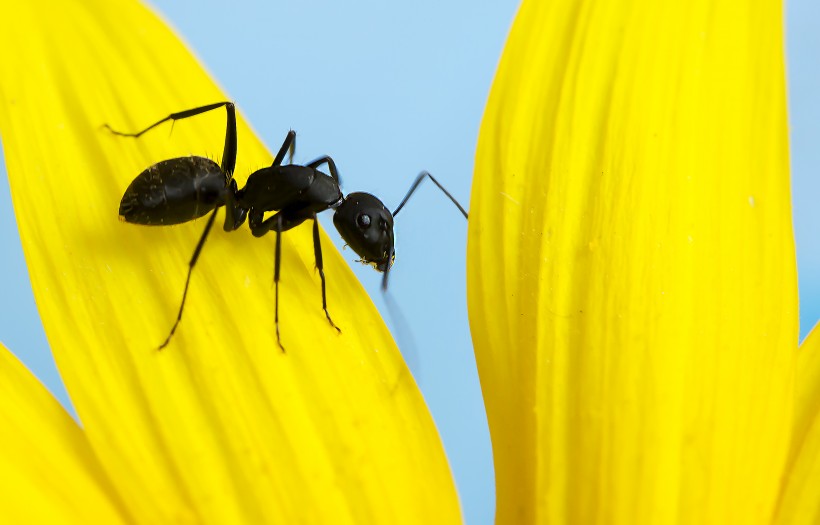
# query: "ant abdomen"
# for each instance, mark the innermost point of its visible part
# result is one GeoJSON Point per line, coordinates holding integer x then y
{"type": "Point", "coordinates": [174, 191]}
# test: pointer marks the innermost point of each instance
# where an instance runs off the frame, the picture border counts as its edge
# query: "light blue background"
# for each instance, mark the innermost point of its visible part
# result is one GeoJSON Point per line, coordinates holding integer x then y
{"type": "Point", "coordinates": [388, 90]}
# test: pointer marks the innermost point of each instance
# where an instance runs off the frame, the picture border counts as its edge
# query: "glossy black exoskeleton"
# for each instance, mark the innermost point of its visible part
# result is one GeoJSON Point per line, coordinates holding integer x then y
{"type": "Point", "coordinates": [185, 188]}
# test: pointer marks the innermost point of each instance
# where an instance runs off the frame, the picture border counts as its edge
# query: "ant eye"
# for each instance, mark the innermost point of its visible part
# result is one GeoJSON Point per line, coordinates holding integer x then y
{"type": "Point", "coordinates": [363, 221]}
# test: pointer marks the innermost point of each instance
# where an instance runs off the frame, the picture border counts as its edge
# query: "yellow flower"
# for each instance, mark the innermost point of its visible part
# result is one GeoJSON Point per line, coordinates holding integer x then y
{"type": "Point", "coordinates": [631, 272]}
{"type": "Point", "coordinates": [632, 293]}
{"type": "Point", "coordinates": [220, 427]}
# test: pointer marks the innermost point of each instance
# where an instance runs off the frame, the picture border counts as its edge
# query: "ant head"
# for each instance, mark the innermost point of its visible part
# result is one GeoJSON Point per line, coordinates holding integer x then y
{"type": "Point", "coordinates": [366, 225]}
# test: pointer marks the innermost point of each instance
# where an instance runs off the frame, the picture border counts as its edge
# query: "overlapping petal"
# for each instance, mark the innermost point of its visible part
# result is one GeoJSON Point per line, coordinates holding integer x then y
{"type": "Point", "coordinates": [50, 473]}
{"type": "Point", "coordinates": [219, 427]}
{"type": "Point", "coordinates": [799, 501]}
{"type": "Point", "coordinates": [631, 274]}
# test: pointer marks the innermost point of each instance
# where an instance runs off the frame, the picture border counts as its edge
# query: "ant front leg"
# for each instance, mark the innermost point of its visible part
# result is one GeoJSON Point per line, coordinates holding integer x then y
{"type": "Point", "coordinates": [281, 222]}
{"type": "Point", "coordinates": [317, 253]}
{"type": "Point", "coordinates": [334, 173]}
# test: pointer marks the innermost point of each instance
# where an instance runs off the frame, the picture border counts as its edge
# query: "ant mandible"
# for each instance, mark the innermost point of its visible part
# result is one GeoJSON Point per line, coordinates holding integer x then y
{"type": "Point", "coordinates": [182, 189]}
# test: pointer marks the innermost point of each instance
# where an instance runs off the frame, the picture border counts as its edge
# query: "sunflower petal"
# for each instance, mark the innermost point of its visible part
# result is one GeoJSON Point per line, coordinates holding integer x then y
{"type": "Point", "coordinates": [221, 426]}
{"type": "Point", "coordinates": [631, 276]}
{"type": "Point", "coordinates": [798, 501]}
{"type": "Point", "coordinates": [48, 472]}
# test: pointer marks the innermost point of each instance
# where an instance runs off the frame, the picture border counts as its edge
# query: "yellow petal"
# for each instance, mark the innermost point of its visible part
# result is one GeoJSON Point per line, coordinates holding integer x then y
{"type": "Point", "coordinates": [48, 472]}
{"type": "Point", "coordinates": [798, 501]}
{"type": "Point", "coordinates": [221, 426]}
{"type": "Point", "coordinates": [632, 285]}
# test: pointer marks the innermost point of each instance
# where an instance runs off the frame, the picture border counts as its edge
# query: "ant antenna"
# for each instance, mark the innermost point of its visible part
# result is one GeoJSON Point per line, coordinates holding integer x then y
{"type": "Point", "coordinates": [391, 256]}
{"type": "Point", "coordinates": [404, 201]}
{"type": "Point", "coordinates": [416, 185]}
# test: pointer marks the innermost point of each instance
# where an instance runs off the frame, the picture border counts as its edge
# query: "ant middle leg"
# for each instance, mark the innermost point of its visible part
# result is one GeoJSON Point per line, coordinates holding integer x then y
{"type": "Point", "coordinates": [259, 227]}
{"type": "Point", "coordinates": [276, 263]}
{"type": "Point", "coordinates": [288, 146]}
{"type": "Point", "coordinates": [281, 222]}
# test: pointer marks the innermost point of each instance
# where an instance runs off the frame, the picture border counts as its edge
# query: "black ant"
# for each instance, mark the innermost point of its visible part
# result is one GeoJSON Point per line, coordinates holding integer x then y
{"type": "Point", "coordinates": [182, 189]}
